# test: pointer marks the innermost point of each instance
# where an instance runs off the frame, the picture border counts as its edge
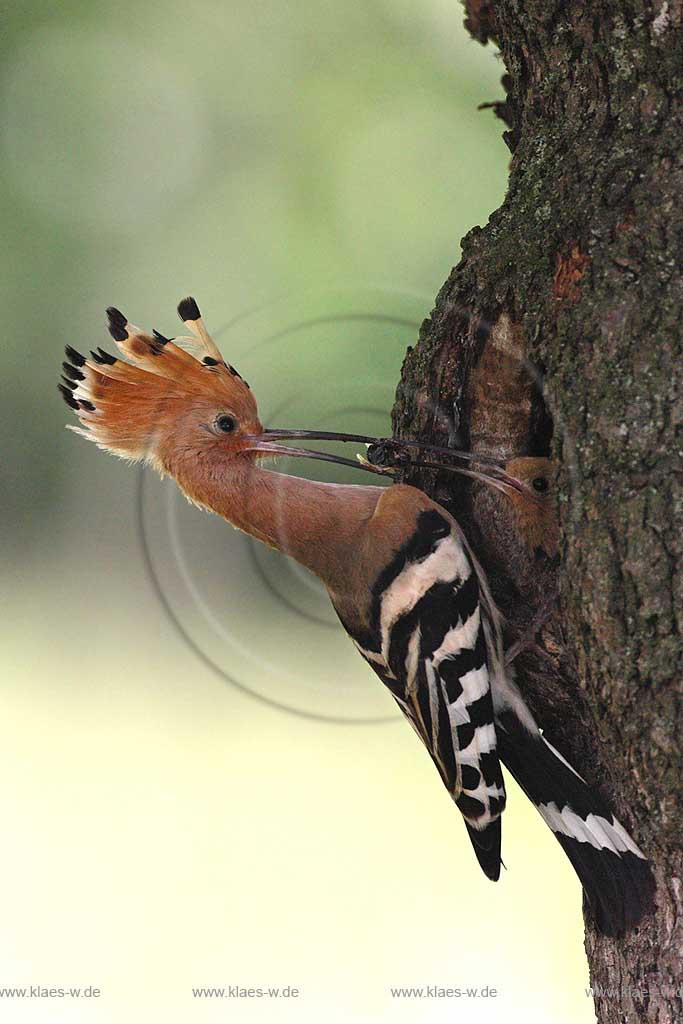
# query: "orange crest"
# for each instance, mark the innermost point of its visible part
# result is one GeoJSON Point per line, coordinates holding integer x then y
{"type": "Point", "coordinates": [163, 405]}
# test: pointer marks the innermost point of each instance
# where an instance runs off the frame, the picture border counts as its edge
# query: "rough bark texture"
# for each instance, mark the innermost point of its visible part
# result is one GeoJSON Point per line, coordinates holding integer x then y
{"type": "Point", "coordinates": [560, 332]}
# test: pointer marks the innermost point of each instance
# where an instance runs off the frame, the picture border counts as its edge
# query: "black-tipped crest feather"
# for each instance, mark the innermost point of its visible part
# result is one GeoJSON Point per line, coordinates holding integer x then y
{"type": "Point", "coordinates": [72, 372]}
{"type": "Point", "coordinates": [188, 309]}
{"type": "Point", "coordinates": [117, 324]}
{"type": "Point", "coordinates": [102, 357]}
{"type": "Point", "coordinates": [67, 396]}
{"type": "Point", "coordinates": [76, 358]}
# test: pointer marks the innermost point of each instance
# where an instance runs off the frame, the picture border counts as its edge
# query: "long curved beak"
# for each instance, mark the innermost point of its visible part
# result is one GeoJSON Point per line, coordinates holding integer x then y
{"type": "Point", "coordinates": [502, 481]}
{"type": "Point", "coordinates": [393, 443]}
{"type": "Point", "coordinates": [266, 444]}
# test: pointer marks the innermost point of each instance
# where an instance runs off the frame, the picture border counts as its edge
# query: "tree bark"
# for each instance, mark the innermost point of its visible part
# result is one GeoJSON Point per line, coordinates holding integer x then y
{"type": "Point", "coordinates": [559, 333]}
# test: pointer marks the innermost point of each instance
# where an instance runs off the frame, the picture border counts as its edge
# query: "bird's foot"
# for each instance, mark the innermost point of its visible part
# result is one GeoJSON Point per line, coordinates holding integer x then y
{"type": "Point", "coordinates": [527, 641]}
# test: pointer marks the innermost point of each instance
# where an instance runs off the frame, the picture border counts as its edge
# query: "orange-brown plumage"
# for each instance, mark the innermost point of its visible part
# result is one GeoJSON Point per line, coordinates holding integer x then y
{"type": "Point", "coordinates": [162, 406]}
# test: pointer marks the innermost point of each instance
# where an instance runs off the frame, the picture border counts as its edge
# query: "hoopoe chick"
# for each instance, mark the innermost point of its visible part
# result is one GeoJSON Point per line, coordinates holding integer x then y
{"type": "Point", "coordinates": [533, 504]}
{"type": "Point", "coordinates": [400, 576]}
{"type": "Point", "coordinates": [520, 532]}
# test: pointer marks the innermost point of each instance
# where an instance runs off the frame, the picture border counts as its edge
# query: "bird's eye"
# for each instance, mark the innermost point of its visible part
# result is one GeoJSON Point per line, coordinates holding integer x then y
{"type": "Point", "coordinates": [226, 424]}
{"type": "Point", "coordinates": [540, 484]}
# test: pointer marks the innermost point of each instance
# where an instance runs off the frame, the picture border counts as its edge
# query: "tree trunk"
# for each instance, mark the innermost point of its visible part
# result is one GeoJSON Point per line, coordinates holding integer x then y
{"type": "Point", "coordinates": [559, 333]}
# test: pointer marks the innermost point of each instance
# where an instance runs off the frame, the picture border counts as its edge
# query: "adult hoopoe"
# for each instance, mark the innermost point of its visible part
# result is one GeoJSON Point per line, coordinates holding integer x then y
{"type": "Point", "coordinates": [400, 576]}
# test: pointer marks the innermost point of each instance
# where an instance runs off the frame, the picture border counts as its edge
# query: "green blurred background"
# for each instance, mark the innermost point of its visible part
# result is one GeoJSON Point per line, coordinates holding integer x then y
{"type": "Point", "coordinates": [307, 169]}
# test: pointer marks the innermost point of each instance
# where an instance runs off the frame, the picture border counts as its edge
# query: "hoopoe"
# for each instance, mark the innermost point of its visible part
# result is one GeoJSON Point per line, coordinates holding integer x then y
{"type": "Point", "coordinates": [401, 576]}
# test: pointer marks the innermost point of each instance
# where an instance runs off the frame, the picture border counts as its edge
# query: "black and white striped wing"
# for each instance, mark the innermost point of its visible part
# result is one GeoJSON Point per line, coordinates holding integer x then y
{"type": "Point", "coordinates": [431, 653]}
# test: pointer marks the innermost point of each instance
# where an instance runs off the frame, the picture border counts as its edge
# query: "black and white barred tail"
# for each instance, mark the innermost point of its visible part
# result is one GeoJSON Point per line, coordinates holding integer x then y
{"type": "Point", "coordinates": [615, 875]}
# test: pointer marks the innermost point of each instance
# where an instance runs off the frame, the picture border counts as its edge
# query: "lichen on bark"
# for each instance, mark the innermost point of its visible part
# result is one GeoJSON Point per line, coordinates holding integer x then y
{"type": "Point", "coordinates": [582, 266]}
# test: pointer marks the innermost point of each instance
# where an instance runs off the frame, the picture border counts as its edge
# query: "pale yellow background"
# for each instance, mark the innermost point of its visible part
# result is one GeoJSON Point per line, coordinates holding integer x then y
{"type": "Point", "coordinates": [160, 828]}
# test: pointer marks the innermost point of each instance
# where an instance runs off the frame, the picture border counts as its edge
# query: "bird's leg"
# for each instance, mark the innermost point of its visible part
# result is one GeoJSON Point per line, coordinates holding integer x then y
{"type": "Point", "coordinates": [527, 640]}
